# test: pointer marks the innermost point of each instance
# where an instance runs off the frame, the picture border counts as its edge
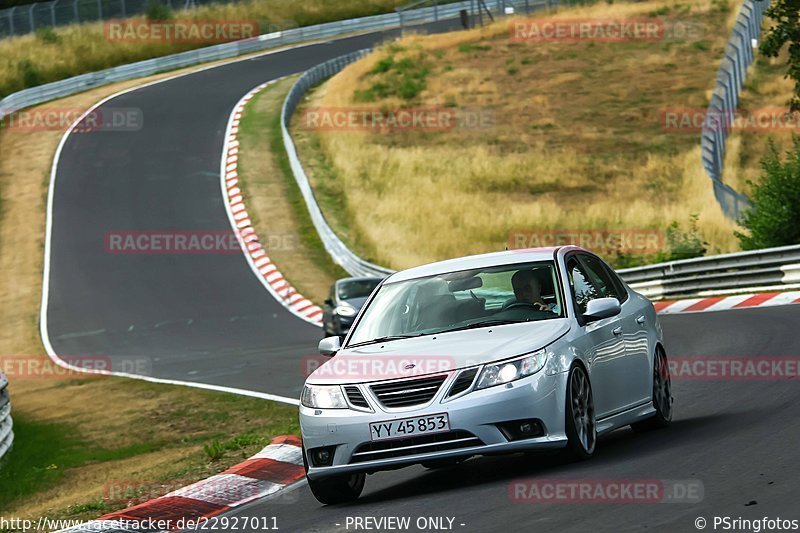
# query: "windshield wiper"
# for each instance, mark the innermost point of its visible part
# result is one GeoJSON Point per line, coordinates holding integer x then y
{"type": "Point", "coordinates": [483, 324]}
{"type": "Point", "coordinates": [382, 339]}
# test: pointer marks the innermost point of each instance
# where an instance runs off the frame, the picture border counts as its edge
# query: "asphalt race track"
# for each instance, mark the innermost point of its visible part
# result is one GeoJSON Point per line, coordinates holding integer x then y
{"type": "Point", "coordinates": [736, 437]}
{"type": "Point", "coordinates": [208, 319]}
{"type": "Point", "coordinates": [202, 318]}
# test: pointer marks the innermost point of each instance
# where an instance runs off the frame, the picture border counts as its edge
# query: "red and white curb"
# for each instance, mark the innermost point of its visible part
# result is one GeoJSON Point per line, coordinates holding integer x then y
{"type": "Point", "coordinates": [723, 303]}
{"type": "Point", "coordinates": [270, 471]}
{"type": "Point", "coordinates": [255, 253]}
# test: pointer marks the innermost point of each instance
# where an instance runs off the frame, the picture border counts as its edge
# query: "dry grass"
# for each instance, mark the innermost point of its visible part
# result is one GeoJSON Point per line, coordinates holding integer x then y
{"type": "Point", "coordinates": [276, 207]}
{"type": "Point", "coordinates": [168, 425]}
{"type": "Point", "coordinates": [30, 60]}
{"type": "Point", "coordinates": [577, 140]}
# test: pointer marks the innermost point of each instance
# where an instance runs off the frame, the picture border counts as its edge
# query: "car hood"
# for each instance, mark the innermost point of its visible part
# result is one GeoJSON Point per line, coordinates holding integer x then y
{"type": "Point", "coordinates": [437, 353]}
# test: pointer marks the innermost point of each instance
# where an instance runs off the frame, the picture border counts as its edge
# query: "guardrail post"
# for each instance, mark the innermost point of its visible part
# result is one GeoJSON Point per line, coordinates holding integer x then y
{"type": "Point", "coordinates": [53, 13]}
{"type": "Point", "coordinates": [11, 20]}
{"type": "Point", "coordinates": [31, 22]}
{"type": "Point", "coordinates": [75, 10]}
{"type": "Point", "coordinates": [99, 9]}
{"type": "Point", "coordinates": [124, 7]}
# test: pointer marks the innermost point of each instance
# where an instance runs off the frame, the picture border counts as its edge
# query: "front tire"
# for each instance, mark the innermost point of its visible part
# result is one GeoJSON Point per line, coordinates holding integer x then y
{"type": "Point", "coordinates": [662, 395]}
{"type": "Point", "coordinates": [581, 427]}
{"type": "Point", "coordinates": [336, 489]}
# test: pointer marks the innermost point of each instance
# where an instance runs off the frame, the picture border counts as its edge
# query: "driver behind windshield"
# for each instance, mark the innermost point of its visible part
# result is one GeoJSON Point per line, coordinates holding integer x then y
{"type": "Point", "coordinates": [528, 290]}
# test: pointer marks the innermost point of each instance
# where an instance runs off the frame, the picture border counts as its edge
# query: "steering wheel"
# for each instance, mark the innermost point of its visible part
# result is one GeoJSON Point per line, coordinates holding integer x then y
{"type": "Point", "coordinates": [529, 305]}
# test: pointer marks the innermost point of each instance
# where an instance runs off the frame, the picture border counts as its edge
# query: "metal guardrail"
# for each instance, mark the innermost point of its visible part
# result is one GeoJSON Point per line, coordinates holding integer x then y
{"type": "Point", "coordinates": [739, 55]}
{"type": "Point", "coordinates": [771, 267]}
{"type": "Point", "coordinates": [27, 18]}
{"type": "Point", "coordinates": [340, 253]}
{"type": "Point", "coordinates": [60, 89]}
{"type": "Point", "coordinates": [6, 423]}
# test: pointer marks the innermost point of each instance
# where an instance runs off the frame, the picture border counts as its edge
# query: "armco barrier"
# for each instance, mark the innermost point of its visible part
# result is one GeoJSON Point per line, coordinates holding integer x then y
{"type": "Point", "coordinates": [340, 253]}
{"type": "Point", "coordinates": [774, 268]}
{"type": "Point", "coordinates": [60, 89]}
{"type": "Point", "coordinates": [739, 54]}
{"type": "Point", "coordinates": [6, 423]}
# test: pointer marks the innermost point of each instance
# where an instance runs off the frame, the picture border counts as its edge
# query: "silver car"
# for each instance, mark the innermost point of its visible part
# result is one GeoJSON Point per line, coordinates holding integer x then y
{"type": "Point", "coordinates": [500, 353]}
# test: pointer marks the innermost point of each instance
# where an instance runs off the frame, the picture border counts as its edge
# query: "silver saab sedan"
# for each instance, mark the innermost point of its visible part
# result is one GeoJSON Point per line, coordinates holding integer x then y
{"type": "Point", "coordinates": [500, 353]}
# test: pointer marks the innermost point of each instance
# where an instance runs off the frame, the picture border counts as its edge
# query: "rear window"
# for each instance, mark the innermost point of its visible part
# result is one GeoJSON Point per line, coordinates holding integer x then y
{"type": "Point", "coordinates": [360, 288]}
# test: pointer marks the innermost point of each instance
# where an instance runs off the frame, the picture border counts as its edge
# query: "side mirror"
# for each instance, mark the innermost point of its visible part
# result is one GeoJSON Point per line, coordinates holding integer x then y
{"type": "Point", "coordinates": [329, 346]}
{"type": "Point", "coordinates": [328, 301]}
{"type": "Point", "coordinates": [601, 308]}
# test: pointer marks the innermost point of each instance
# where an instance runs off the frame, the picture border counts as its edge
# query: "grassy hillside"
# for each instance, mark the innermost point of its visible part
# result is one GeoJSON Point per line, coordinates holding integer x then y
{"type": "Point", "coordinates": [576, 137]}
{"type": "Point", "coordinates": [52, 55]}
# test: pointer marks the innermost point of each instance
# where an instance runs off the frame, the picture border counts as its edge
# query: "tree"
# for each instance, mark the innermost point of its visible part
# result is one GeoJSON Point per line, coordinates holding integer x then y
{"type": "Point", "coordinates": [774, 218]}
{"type": "Point", "coordinates": [786, 15]}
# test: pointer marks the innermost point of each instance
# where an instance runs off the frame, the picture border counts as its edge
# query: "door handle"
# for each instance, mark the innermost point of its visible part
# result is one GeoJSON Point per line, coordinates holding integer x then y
{"type": "Point", "coordinates": [617, 330]}
{"type": "Point", "coordinates": [640, 320]}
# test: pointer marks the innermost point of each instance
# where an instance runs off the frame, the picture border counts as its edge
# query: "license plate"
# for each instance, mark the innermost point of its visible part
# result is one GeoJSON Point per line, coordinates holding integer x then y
{"type": "Point", "coordinates": [406, 427]}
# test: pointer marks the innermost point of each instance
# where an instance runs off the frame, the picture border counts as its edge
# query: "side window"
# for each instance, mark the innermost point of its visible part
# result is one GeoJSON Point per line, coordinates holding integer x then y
{"type": "Point", "coordinates": [619, 287]}
{"type": "Point", "coordinates": [582, 289]}
{"type": "Point", "coordinates": [599, 276]}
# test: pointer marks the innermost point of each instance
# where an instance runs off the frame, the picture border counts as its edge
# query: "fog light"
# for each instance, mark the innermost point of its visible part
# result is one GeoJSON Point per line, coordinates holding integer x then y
{"type": "Point", "coordinates": [322, 456]}
{"type": "Point", "coordinates": [521, 429]}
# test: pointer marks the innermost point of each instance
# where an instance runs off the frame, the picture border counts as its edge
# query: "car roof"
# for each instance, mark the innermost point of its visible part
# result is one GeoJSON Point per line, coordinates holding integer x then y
{"type": "Point", "coordinates": [508, 257]}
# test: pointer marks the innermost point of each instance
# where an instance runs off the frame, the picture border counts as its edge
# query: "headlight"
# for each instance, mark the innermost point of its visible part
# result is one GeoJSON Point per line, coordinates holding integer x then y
{"type": "Point", "coordinates": [344, 310]}
{"type": "Point", "coordinates": [506, 371]}
{"type": "Point", "coordinates": [323, 397]}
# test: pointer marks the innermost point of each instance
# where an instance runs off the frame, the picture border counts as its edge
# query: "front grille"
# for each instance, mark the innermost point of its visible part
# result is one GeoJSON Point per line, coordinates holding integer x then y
{"type": "Point", "coordinates": [408, 392]}
{"type": "Point", "coordinates": [355, 397]}
{"type": "Point", "coordinates": [407, 446]}
{"type": "Point", "coordinates": [463, 381]}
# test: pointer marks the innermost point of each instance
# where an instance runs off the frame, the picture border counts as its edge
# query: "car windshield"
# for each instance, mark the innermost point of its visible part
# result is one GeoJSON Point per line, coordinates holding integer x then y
{"type": "Point", "coordinates": [461, 300]}
{"type": "Point", "coordinates": [357, 288]}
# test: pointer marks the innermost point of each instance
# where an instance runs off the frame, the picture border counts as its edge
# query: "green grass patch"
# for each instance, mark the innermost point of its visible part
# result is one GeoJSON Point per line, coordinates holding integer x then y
{"type": "Point", "coordinates": [43, 452]}
{"type": "Point", "coordinates": [404, 77]}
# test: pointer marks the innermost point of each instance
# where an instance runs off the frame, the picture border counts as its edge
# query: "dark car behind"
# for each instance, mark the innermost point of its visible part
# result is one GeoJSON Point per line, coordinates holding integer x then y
{"type": "Point", "coordinates": [345, 300]}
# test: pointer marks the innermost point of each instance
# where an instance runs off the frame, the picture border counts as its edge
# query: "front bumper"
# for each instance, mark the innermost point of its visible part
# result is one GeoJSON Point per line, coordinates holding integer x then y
{"type": "Point", "coordinates": [540, 397]}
